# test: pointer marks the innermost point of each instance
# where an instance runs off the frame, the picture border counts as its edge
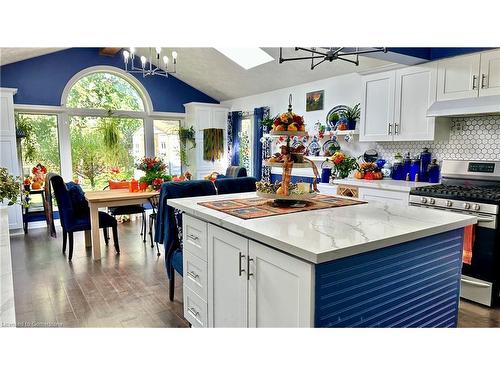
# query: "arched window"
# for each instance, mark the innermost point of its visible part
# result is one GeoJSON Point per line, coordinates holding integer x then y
{"type": "Point", "coordinates": [103, 90]}
{"type": "Point", "coordinates": [106, 126]}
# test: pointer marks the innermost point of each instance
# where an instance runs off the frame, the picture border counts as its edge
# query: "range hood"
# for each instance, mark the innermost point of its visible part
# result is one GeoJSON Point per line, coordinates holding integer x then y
{"type": "Point", "coordinates": [465, 107]}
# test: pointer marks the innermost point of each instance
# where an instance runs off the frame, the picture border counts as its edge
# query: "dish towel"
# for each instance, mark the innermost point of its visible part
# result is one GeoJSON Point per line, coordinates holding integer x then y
{"type": "Point", "coordinates": [469, 234]}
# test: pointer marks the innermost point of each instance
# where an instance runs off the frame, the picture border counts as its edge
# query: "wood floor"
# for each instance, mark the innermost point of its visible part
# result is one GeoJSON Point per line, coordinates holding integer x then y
{"type": "Point", "coordinates": [126, 290]}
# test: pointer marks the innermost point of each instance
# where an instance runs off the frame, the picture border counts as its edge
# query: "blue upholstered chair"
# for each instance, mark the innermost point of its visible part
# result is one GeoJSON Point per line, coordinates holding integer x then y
{"type": "Point", "coordinates": [235, 171]}
{"type": "Point", "coordinates": [74, 213]}
{"type": "Point", "coordinates": [168, 229]}
{"type": "Point", "coordinates": [235, 185]}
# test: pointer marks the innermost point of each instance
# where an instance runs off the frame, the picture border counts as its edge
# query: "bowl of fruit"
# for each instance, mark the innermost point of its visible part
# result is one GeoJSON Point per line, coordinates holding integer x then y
{"type": "Point", "coordinates": [368, 171]}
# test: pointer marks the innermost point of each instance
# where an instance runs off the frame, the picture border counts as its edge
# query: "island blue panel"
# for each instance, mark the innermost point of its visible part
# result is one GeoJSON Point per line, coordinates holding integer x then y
{"type": "Point", "coordinates": [413, 284]}
{"type": "Point", "coordinates": [41, 80]}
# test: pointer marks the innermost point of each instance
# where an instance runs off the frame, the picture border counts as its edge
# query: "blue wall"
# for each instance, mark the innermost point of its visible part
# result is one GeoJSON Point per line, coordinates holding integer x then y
{"type": "Point", "coordinates": [41, 80]}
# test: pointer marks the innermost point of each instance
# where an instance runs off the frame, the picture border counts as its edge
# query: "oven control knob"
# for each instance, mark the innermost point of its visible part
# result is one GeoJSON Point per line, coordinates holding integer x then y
{"type": "Point", "coordinates": [432, 201]}
{"type": "Point", "coordinates": [423, 200]}
{"type": "Point", "coordinates": [467, 206]}
{"type": "Point", "coordinates": [449, 203]}
{"type": "Point", "coordinates": [477, 207]}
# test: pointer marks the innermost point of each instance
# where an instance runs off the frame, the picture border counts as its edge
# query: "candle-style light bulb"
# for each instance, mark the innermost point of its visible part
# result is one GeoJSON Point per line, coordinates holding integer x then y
{"type": "Point", "coordinates": [158, 50]}
{"type": "Point", "coordinates": [165, 61]}
{"type": "Point", "coordinates": [143, 61]}
{"type": "Point", "coordinates": [132, 51]}
{"type": "Point", "coordinates": [126, 55]}
{"type": "Point", "coordinates": [174, 56]}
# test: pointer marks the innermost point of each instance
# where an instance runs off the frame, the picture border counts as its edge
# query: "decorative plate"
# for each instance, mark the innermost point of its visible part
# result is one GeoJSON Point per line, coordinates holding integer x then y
{"type": "Point", "coordinates": [337, 109]}
{"type": "Point", "coordinates": [331, 146]}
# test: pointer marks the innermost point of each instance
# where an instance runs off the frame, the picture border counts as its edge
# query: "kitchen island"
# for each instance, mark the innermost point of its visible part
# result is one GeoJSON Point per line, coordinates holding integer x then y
{"type": "Point", "coordinates": [367, 265]}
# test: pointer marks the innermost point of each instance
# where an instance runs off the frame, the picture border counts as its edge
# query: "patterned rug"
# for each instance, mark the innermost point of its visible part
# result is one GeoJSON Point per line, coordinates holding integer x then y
{"type": "Point", "coordinates": [252, 208]}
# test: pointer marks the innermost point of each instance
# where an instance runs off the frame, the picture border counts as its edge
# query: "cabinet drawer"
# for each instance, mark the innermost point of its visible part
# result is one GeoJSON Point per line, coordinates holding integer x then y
{"type": "Point", "coordinates": [195, 274]}
{"type": "Point", "coordinates": [195, 309]}
{"type": "Point", "coordinates": [384, 196]}
{"type": "Point", "coordinates": [194, 236]}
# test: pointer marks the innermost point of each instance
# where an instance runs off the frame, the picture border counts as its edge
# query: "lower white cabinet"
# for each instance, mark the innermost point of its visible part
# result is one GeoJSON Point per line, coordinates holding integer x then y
{"type": "Point", "coordinates": [383, 196]}
{"type": "Point", "coordinates": [246, 284]}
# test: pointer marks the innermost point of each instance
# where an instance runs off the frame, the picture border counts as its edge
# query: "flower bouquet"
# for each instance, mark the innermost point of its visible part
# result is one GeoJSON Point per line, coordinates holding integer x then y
{"type": "Point", "coordinates": [155, 175]}
{"type": "Point", "coordinates": [39, 171]}
{"type": "Point", "coordinates": [343, 165]}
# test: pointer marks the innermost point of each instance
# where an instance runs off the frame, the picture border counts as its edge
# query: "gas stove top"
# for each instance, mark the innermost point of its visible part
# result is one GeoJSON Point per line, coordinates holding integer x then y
{"type": "Point", "coordinates": [480, 194]}
{"type": "Point", "coordinates": [472, 186]}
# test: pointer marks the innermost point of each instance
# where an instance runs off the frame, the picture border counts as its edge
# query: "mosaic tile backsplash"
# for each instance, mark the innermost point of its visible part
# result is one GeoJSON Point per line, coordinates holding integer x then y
{"type": "Point", "coordinates": [470, 138]}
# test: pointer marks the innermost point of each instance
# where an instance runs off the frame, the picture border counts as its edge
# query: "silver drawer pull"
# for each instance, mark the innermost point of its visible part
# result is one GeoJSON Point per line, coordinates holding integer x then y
{"type": "Point", "coordinates": [193, 311]}
{"type": "Point", "coordinates": [240, 270]}
{"type": "Point", "coordinates": [192, 237]}
{"type": "Point", "coordinates": [193, 274]}
{"type": "Point", "coordinates": [475, 283]}
{"type": "Point", "coordinates": [248, 268]}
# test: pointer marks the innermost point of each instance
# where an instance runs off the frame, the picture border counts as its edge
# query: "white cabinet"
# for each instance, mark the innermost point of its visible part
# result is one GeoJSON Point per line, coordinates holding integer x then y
{"type": "Point", "coordinates": [469, 76]}
{"type": "Point", "coordinates": [489, 80]}
{"type": "Point", "coordinates": [227, 278]}
{"type": "Point", "coordinates": [415, 92]}
{"type": "Point", "coordinates": [394, 105]}
{"type": "Point", "coordinates": [377, 107]}
{"type": "Point", "coordinates": [458, 77]}
{"type": "Point", "coordinates": [248, 284]}
{"type": "Point", "coordinates": [203, 116]}
{"type": "Point", "coordinates": [280, 290]}
{"type": "Point", "coordinates": [383, 196]}
{"type": "Point", "coordinates": [8, 148]}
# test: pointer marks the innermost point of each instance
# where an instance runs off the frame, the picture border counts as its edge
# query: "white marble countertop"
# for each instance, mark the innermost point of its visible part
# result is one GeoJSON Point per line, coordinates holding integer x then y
{"type": "Point", "coordinates": [385, 184]}
{"type": "Point", "coordinates": [323, 235]}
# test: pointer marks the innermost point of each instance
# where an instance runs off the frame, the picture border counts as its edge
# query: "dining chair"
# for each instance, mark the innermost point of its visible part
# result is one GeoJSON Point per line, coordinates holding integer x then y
{"type": "Point", "coordinates": [152, 220]}
{"type": "Point", "coordinates": [235, 185]}
{"type": "Point", "coordinates": [168, 229]}
{"type": "Point", "coordinates": [74, 213]}
{"type": "Point", "coordinates": [235, 171]}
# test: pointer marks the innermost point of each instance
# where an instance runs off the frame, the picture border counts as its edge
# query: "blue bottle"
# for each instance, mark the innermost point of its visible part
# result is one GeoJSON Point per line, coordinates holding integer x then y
{"type": "Point", "coordinates": [397, 167]}
{"type": "Point", "coordinates": [434, 172]}
{"type": "Point", "coordinates": [406, 166]}
{"type": "Point", "coordinates": [425, 161]}
{"type": "Point", "coordinates": [415, 169]}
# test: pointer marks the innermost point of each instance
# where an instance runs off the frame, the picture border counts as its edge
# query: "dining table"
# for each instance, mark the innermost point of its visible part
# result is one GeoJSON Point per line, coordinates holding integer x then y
{"type": "Point", "coordinates": [109, 198]}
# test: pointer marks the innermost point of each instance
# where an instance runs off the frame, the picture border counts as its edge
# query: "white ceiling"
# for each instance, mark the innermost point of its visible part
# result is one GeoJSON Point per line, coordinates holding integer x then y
{"type": "Point", "coordinates": [10, 55]}
{"type": "Point", "coordinates": [211, 72]}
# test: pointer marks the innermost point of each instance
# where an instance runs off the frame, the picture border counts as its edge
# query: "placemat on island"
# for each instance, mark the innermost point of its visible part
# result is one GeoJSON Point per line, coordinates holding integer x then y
{"type": "Point", "coordinates": [252, 208]}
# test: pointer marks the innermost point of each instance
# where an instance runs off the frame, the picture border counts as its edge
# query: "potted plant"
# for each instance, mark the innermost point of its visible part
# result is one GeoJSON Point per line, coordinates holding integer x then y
{"type": "Point", "coordinates": [10, 188]}
{"type": "Point", "coordinates": [186, 135]}
{"type": "Point", "coordinates": [351, 115]}
{"type": "Point", "coordinates": [343, 165]}
{"type": "Point", "coordinates": [155, 175]}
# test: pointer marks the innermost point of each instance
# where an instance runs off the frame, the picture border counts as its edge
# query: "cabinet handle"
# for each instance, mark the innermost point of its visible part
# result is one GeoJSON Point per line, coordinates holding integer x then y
{"type": "Point", "coordinates": [193, 311]}
{"type": "Point", "coordinates": [474, 82]}
{"type": "Point", "coordinates": [240, 270]}
{"type": "Point", "coordinates": [193, 275]}
{"type": "Point", "coordinates": [396, 131]}
{"type": "Point", "coordinates": [193, 237]}
{"type": "Point", "coordinates": [248, 268]}
{"type": "Point", "coordinates": [389, 132]}
{"type": "Point", "coordinates": [483, 84]}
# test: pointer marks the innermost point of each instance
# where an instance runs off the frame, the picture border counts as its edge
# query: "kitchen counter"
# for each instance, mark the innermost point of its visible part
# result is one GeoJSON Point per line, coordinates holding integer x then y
{"type": "Point", "coordinates": [324, 235]}
{"type": "Point", "coordinates": [385, 184]}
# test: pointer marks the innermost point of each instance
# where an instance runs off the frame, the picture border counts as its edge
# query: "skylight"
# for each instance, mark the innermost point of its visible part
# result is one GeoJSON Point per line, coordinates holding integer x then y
{"type": "Point", "coordinates": [247, 58]}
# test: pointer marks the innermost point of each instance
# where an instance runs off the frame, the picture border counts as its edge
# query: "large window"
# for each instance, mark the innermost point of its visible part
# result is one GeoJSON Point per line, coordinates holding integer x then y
{"type": "Point", "coordinates": [105, 147]}
{"type": "Point", "coordinates": [167, 147]}
{"type": "Point", "coordinates": [40, 144]}
{"type": "Point", "coordinates": [246, 144]}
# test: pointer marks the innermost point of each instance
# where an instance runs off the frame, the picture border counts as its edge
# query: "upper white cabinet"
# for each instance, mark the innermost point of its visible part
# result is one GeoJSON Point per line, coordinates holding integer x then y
{"type": "Point", "coordinates": [469, 76]}
{"type": "Point", "coordinates": [377, 107]}
{"type": "Point", "coordinates": [394, 105]}
{"type": "Point", "coordinates": [489, 82]}
{"type": "Point", "coordinates": [415, 92]}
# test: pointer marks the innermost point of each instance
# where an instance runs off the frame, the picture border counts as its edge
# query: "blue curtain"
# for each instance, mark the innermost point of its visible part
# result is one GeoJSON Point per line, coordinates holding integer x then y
{"type": "Point", "coordinates": [258, 116]}
{"type": "Point", "coordinates": [233, 130]}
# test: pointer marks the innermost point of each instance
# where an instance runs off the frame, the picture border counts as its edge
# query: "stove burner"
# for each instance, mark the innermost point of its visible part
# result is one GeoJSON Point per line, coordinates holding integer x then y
{"type": "Point", "coordinates": [486, 194]}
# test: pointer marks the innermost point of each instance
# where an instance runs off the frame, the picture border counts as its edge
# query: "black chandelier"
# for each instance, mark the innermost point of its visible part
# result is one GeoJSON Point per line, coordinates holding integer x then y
{"type": "Point", "coordinates": [322, 54]}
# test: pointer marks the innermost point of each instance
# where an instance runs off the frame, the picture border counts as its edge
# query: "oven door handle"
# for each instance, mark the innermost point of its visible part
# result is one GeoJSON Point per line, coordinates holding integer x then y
{"type": "Point", "coordinates": [475, 283]}
{"type": "Point", "coordinates": [484, 220]}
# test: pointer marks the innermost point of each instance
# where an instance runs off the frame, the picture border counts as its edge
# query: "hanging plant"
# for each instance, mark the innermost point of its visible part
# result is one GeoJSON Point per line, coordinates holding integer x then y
{"type": "Point", "coordinates": [25, 127]}
{"type": "Point", "coordinates": [213, 144]}
{"type": "Point", "coordinates": [186, 135]}
{"type": "Point", "coordinates": [110, 131]}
